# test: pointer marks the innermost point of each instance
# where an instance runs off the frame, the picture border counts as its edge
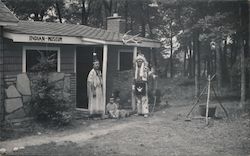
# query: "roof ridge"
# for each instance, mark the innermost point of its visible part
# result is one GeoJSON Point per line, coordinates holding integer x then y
{"type": "Point", "coordinates": [66, 29]}
{"type": "Point", "coordinates": [110, 31]}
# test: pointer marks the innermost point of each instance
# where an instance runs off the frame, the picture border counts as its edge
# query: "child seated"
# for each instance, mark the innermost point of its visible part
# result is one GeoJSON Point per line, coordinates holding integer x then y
{"type": "Point", "coordinates": [112, 109]}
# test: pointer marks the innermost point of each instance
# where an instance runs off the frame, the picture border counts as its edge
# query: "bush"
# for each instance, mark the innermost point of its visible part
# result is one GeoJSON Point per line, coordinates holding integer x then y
{"type": "Point", "coordinates": [46, 105]}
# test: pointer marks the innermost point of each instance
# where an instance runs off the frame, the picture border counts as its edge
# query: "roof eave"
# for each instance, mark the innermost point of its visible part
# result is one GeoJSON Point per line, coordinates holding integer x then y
{"type": "Point", "coordinates": [141, 44]}
{"type": "Point", "coordinates": [3, 23]}
{"type": "Point", "coordinates": [16, 37]}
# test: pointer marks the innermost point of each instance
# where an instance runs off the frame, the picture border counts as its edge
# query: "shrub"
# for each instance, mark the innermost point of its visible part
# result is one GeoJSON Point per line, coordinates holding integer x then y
{"type": "Point", "coordinates": [46, 105]}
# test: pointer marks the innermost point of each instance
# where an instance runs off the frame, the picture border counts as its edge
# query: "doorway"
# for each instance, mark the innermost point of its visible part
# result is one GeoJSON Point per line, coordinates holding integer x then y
{"type": "Point", "coordinates": [84, 63]}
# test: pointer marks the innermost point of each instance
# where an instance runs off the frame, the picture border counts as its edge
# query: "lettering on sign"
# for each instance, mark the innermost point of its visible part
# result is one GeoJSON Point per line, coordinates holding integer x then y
{"type": "Point", "coordinates": [45, 38]}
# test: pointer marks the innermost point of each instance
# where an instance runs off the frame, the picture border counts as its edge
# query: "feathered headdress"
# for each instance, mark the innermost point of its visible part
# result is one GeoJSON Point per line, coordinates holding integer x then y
{"type": "Point", "coordinates": [95, 57]}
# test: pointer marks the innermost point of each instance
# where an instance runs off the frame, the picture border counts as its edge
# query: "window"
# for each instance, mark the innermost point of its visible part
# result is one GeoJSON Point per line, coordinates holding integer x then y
{"type": "Point", "coordinates": [41, 58]}
{"type": "Point", "coordinates": [125, 60]}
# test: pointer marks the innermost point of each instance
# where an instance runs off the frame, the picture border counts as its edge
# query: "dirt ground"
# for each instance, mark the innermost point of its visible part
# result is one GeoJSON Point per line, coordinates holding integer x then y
{"type": "Point", "coordinates": [164, 133]}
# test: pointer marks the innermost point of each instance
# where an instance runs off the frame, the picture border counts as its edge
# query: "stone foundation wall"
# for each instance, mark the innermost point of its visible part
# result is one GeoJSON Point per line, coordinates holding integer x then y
{"type": "Point", "coordinates": [20, 88]}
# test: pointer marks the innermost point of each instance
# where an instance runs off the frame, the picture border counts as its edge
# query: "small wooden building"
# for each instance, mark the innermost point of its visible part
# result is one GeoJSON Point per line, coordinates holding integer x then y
{"type": "Point", "coordinates": [73, 46]}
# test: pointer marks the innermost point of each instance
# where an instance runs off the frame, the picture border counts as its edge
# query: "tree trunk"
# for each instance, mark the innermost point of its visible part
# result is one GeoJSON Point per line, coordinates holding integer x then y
{"type": "Point", "coordinates": [215, 61]}
{"type": "Point", "coordinates": [193, 60]}
{"type": "Point", "coordinates": [131, 23]}
{"type": "Point", "coordinates": [58, 12]}
{"type": "Point", "coordinates": [209, 58]}
{"type": "Point", "coordinates": [84, 13]}
{"type": "Point", "coordinates": [232, 61]}
{"type": "Point", "coordinates": [243, 75]}
{"type": "Point", "coordinates": [218, 67]}
{"type": "Point", "coordinates": [185, 61]}
{"type": "Point", "coordinates": [171, 50]}
{"type": "Point", "coordinates": [247, 69]}
{"type": "Point", "coordinates": [143, 28]}
{"type": "Point", "coordinates": [197, 65]}
{"type": "Point", "coordinates": [126, 15]}
{"type": "Point", "coordinates": [204, 73]}
{"type": "Point", "coordinates": [244, 28]}
{"type": "Point", "coordinates": [108, 7]}
{"type": "Point", "coordinates": [199, 58]}
{"type": "Point", "coordinates": [190, 62]}
{"type": "Point", "coordinates": [36, 18]}
{"type": "Point", "coordinates": [225, 74]}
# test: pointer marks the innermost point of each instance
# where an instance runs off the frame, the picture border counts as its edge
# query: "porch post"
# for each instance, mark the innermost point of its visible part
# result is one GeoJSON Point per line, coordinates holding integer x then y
{"type": "Point", "coordinates": [104, 71]}
{"type": "Point", "coordinates": [75, 60]}
{"type": "Point", "coordinates": [133, 96]}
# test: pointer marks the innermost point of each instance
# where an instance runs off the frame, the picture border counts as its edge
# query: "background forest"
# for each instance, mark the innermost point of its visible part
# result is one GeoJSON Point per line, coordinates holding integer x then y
{"type": "Point", "coordinates": [199, 38]}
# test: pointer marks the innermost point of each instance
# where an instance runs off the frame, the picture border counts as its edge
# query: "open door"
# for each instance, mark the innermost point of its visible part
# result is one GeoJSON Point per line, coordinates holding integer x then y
{"type": "Point", "coordinates": [84, 63]}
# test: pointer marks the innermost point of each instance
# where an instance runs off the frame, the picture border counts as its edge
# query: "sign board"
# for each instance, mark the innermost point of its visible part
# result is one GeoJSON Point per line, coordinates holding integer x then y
{"type": "Point", "coordinates": [40, 38]}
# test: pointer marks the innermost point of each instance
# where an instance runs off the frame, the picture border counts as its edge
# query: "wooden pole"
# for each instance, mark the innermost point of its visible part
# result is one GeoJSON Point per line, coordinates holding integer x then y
{"type": "Point", "coordinates": [208, 98]}
{"type": "Point", "coordinates": [135, 51]}
{"type": "Point", "coordinates": [104, 72]}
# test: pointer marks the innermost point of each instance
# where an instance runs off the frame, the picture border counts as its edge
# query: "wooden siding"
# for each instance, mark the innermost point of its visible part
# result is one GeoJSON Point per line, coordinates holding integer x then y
{"type": "Point", "coordinates": [67, 58]}
{"type": "Point", "coordinates": [13, 61]}
{"type": "Point", "coordinates": [112, 71]}
{"type": "Point", "coordinates": [73, 88]}
{"type": "Point", "coordinates": [12, 58]}
{"type": "Point", "coordinates": [121, 80]}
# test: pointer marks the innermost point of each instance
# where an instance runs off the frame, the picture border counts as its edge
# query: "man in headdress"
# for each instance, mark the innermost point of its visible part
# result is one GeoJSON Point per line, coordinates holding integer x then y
{"type": "Point", "coordinates": [95, 90]}
{"type": "Point", "coordinates": [140, 86]}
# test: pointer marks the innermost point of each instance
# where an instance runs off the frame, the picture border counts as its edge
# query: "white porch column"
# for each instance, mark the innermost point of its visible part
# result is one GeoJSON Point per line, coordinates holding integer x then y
{"type": "Point", "coordinates": [133, 96]}
{"type": "Point", "coordinates": [24, 61]}
{"type": "Point", "coordinates": [59, 61]}
{"type": "Point", "coordinates": [75, 60]}
{"type": "Point", "coordinates": [104, 71]}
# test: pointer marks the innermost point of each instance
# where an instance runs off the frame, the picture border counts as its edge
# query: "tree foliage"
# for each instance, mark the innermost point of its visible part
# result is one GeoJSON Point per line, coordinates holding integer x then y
{"type": "Point", "coordinates": [210, 35]}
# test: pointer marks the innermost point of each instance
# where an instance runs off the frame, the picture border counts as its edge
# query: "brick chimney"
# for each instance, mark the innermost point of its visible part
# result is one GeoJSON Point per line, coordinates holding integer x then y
{"type": "Point", "coordinates": [116, 23]}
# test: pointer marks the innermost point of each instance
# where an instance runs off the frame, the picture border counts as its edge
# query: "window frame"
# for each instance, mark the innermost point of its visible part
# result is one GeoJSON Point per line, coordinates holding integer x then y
{"type": "Point", "coordinates": [24, 56]}
{"type": "Point", "coordinates": [119, 57]}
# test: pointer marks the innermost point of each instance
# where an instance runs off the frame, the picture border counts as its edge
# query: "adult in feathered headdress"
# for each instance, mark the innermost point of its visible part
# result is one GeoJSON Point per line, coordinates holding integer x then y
{"type": "Point", "coordinates": [95, 90]}
{"type": "Point", "coordinates": [140, 86]}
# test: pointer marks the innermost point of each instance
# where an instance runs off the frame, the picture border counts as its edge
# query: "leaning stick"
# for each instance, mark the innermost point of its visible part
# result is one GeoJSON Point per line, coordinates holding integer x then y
{"type": "Point", "coordinates": [196, 102]}
{"type": "Point", "coordinates": [217, 98]}
{"type": "Point", "coordinates": [208, 98]}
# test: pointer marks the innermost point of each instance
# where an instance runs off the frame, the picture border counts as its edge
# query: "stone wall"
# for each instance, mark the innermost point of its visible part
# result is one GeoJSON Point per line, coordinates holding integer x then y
{"type": "Point", "coordinates": [20, 88]}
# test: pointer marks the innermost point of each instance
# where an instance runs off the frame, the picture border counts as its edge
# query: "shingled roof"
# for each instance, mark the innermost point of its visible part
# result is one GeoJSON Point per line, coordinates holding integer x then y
{"type": "Point", "coordinates": [6, 17]}
{"type": "Point", "coordinates": [70, 30]}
